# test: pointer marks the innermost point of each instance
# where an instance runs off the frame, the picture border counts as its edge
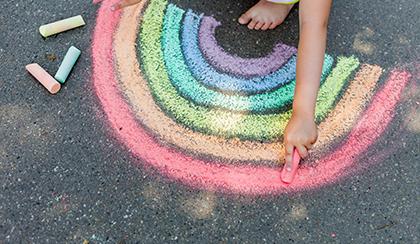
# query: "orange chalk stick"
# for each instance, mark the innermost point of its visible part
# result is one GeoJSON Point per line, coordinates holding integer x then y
{"type": "Point", "coordinates": [43, 77]}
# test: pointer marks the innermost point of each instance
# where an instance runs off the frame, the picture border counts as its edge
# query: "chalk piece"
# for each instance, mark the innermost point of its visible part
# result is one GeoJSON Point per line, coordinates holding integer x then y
{"type": "Point", "coordinates": [67, 65]}
{"type": "Point", "coordinates": [44, 78]}
{"type": "Point", "coordinates": [289, 173]}
{"type": "Point", "coordinates": [62, 25]}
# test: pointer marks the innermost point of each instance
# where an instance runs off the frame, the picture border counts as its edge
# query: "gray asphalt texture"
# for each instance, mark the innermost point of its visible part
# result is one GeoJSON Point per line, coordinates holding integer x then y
{"type": "Point", "coordinates": [64, 178]}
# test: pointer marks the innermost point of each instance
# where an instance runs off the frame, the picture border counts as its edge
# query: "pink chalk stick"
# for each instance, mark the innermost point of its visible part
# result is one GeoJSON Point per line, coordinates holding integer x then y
{"type": "Point", "coordinates": [288, 173]}
{"type": "Point", "coordinates": [44, 78]}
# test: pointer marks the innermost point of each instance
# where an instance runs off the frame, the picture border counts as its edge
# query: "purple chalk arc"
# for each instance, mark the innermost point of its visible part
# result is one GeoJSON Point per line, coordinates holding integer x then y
{"type": "Point", "coordinates": [234, 64]}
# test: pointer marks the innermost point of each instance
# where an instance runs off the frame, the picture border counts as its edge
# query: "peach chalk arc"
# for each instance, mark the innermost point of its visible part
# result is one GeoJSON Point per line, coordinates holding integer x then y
{"type": "Point", "coordinates": [216, 176]}
{"type": "Point", "coordinates": [43, 77]}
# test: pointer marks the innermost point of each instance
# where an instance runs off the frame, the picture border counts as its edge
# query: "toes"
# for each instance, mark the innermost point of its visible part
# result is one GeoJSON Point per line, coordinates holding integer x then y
{"type": "Point", "coordinates": [273, 25]}
{"type": "Point", "coordinates": [258, 25]}
{"type": "Point", "coordinates": [266, 26]}
{"type": "Point", "coordinates": [252, 24]}
{"type": "Point", "coordinates": [244, 19]}
{"type": "Point", "coordinates": [276, 23]}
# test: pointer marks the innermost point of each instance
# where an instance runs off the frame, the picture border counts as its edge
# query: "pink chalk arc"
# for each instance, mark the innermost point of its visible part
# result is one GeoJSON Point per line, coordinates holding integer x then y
{"type": "Point", "coordinates": [250, 180]}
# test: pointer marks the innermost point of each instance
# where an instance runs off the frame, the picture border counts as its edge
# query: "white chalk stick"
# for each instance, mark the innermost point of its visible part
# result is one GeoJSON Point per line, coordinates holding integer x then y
{"type": "Point", "coordinates": [62, 25]}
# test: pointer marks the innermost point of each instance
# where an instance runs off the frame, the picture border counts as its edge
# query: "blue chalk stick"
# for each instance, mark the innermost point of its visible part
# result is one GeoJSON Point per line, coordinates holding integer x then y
{"type": "Point", "coordinates": [67, 65]}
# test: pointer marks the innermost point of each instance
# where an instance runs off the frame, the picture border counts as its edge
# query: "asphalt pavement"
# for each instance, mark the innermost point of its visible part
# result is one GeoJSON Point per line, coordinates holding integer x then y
{"type": "Point", "coordinates": [66, 178]}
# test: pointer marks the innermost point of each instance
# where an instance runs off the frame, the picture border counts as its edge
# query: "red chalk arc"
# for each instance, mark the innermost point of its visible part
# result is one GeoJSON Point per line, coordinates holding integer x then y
{"type": "Point", "coordinates": [255, 180]}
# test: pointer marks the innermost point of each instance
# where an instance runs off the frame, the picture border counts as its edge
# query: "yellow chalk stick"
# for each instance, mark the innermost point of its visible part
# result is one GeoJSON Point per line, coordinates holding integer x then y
{"type": "Point", "coordinates": [62, 25]}
{"type": "Point", "coordinates": [44, 78]}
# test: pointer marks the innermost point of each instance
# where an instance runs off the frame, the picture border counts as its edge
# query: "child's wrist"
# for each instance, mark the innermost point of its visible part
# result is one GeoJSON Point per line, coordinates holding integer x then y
{"type": "Point", "coordinates": [303, 112]}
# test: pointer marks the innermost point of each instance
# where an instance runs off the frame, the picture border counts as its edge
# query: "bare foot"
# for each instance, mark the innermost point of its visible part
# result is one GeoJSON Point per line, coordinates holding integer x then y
{"type": "Point", "coordinates": [265, 15]}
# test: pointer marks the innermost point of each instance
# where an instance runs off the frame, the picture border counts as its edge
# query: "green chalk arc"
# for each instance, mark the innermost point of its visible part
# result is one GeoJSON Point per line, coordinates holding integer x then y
{"type": "Point", "coordinates": [215, 121]}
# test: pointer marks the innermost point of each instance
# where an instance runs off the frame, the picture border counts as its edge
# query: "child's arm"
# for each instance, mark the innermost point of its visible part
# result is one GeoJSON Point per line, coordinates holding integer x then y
{"type": "Point", "coordinates": [301, 131]}
{"type": "Point", "coordinates": [124, 3]}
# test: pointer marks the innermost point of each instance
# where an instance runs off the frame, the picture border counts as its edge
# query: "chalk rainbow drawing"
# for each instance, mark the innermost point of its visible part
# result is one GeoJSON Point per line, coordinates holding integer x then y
{"type": "Point", "coordinates": [213, 120]}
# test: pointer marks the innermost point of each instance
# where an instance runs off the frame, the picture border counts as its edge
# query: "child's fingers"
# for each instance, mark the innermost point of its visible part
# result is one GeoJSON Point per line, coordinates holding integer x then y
{"type": "Point", "coordinates": [310, 144]}
{"type": "Point", "coordinates": [315, 138]}
{"type": "Point", "coordinates": [303, 152]}
{"type": "Point", "coordinates": [288, 155]}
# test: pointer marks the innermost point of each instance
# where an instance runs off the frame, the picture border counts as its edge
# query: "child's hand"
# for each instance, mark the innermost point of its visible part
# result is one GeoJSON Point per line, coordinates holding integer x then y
{"type": "Point", "coordinates": [300, 133]}
{"type": "Point", "coordinates": [123, 4]}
